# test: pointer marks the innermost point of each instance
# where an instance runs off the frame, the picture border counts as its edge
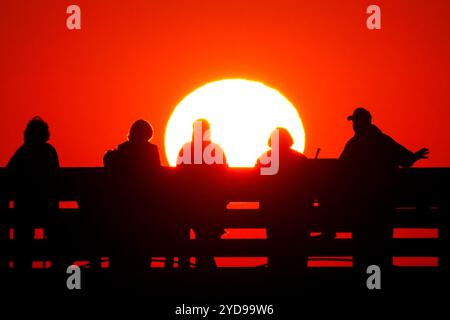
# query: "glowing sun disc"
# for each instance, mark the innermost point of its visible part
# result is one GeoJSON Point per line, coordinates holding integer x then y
{"type": "Point", "coordinates": [242, 114]}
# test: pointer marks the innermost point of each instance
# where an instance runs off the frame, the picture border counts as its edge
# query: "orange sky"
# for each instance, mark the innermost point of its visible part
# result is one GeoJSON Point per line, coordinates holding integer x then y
{"type": "Point", "coordinates": [138, 59]}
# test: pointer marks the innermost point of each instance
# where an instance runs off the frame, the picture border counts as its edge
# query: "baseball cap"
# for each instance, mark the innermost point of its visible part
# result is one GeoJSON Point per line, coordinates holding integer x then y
{"type": "Point", "coordinates": [360, 113]}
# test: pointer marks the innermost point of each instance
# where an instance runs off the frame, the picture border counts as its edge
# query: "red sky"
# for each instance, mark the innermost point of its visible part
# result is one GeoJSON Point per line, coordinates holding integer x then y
{"type": "Point", "coordinates": [138, 59]}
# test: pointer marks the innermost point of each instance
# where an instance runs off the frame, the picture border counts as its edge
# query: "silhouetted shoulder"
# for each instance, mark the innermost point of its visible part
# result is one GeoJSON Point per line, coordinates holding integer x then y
{"type": "Point", "coordinates": [135, 156]}
{"type": "Point", "coordinates": [17, 157]}
{"type": "Point", "coordinates": [345, 154]}
{"type": "Point", "coordinates": [51, 151]}
{"type": "Point", "coordinates": [39, 155]}
{"type": "Point", "coordinates": [124, 146]}
{"type": "Point", "coordinates": [298, 155]}
{"type": "Point", "coordinates": [154, 151]}
{"type": "Point", "coordinates": [287, 158]}
{"type": "Point", "coordinates": [110, 158]}
{"type": "Point", "coordinates": [153, 148]}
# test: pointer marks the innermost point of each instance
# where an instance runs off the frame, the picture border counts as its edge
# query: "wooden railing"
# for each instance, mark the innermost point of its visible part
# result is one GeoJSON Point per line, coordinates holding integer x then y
{"type": "Point", "coordinates": [421, 200]}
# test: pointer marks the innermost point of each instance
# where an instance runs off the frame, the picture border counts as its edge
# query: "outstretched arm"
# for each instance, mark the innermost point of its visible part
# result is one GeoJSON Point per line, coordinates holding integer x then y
{"type": "Point", "coordinates": [405, 157]}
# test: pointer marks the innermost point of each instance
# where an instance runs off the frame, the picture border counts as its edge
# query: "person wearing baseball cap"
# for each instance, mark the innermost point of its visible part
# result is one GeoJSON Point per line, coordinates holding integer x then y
{"type": "Point", "coordinates": [370, 161]}
{"type": "Point", "coordinates": [371, 148]}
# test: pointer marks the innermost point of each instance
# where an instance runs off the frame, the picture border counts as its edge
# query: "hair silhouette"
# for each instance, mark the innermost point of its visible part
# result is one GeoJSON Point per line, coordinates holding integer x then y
{"type": "Point", "coordinates": [36, 131]}
{"type": "Point", "coordinates": [204, 123]}
{"type": "Point", "coordinates": [282, 152]}
{"type": "Point", "coordinates": [284, 137]}
{"type": "Point", "coordinates": [140, 131]}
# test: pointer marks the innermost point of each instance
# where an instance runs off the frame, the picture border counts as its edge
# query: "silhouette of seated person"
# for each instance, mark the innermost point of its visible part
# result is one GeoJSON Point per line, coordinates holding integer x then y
{"type": "Point", "coordinates": [288, 158]}
{"type": "Point", "coordinates": [33, 170]}
{"type": "Point", "coordinates": [284, 200]}
{"type": "Point", "coordinates": [371, 160]}
{"type": "Point", "coordinates": [136, 222]}
{"type": "Point", "coordinates": [137, 156]}
{"type": "Point", "coordinates": [205, 162]}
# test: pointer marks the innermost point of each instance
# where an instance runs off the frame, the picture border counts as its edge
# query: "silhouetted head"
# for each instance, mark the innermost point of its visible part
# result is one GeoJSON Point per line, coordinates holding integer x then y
{"type": "Point", "coordinates": [285, 139]}
{"type": "Point", "coordinates": [140, 131]}
{"type": "Point", "coordinates": [36, 131]}
{"type": "Point", "coordinates": [362, 120]}
{"type": "Point", "coordinates": [200, 125]}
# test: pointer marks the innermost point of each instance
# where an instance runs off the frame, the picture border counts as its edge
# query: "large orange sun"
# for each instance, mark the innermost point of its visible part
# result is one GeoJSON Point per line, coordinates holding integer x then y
{"type": "Point", "coordinates": [242, 114]}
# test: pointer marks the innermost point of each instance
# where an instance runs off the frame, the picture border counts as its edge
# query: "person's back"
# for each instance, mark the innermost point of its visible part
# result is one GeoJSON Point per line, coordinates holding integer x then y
{"type": "Point", "coordinates": [281, 156]}
{"type": "Point", "coordinates": [137, 155]}
{"type": "Point", "coordinates": [134, 171]}
{"type": "Point", "coordinates": [205, 161]}
{"type": "Point", "coordinates": [34, 168]}
{"type": "Point", "coordinates": [135, 224]}
{"type": "Point", "coordinates": [285, 203]}
{"type": "Point", "coordinates": [201, 151]}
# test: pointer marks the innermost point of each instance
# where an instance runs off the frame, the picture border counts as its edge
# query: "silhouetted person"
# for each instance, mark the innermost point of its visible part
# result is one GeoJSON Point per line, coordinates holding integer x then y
{"type": "Point", "coordinates": [285, 202]}
{"type": "Point", "coordinates": [136, 221]}
{"type": "Point", "coordinates": [286, 157]}
{"type": "Point", "coordinates": [205, 162]}
{"type": "Point", "coordinates": [371, 160]}
{"type": "Point", "coordinates": [201, 150]}
{"type": "Point", "coordinates": [371, 149]}
{"type": "Point", "coordinates": [137, 155]}
{"type": "Point", "coordinates": [34, 169]}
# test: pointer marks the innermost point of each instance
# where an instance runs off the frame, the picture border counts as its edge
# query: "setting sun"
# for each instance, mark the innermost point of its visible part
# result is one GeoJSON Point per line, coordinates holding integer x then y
{"type": "Point", "coordinates": [242, 114]}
